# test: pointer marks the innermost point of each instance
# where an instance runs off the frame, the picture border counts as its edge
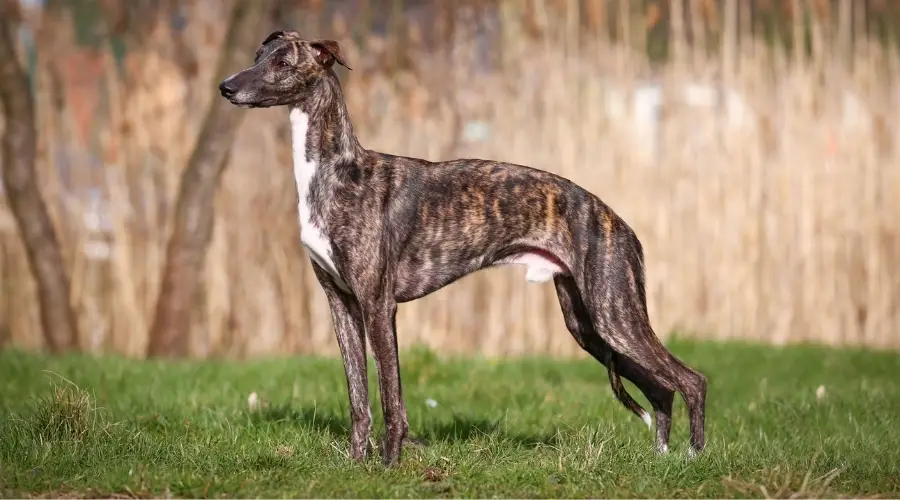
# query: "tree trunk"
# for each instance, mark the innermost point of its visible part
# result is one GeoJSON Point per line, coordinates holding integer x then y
{"type": "Point", "coordinates": [193, 224]}
{"type": "Point", "coordinates": [19, 177]}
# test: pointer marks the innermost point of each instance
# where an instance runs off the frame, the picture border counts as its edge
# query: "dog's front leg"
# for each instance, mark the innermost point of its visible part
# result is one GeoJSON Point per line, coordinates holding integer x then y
{"type": "Point", "coordinates": [380, 319]}
{"type": "Point", "coordinates": [351, 337]}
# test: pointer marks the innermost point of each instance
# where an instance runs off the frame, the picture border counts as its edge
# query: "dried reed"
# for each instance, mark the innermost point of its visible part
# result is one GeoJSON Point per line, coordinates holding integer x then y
{"type": "Point", "coordinates": [763, 193]}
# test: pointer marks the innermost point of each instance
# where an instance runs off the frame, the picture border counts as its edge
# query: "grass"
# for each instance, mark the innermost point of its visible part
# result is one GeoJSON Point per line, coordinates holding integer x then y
{"type": "Point", "coordinates": [87, 426]}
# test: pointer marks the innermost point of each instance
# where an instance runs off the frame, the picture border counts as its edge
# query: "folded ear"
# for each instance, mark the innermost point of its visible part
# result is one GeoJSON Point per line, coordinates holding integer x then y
{"type": "Point", "coordinates": [327, 52]}
{"type": "Point", "coordinates": [276, 35]}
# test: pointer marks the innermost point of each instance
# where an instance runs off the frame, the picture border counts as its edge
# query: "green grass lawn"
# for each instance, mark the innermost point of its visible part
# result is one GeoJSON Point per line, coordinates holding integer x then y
{"type": "Point", "coordinates": [83, 426]}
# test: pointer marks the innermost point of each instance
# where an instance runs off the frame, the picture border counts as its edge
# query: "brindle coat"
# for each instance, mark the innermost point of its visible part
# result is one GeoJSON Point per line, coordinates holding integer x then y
{"type": "Point", "coordinates": [384, 229]}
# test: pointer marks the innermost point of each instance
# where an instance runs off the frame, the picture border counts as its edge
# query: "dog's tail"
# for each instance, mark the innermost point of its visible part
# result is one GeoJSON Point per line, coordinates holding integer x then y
{"type": "Point", "coordinates": [622, 395]}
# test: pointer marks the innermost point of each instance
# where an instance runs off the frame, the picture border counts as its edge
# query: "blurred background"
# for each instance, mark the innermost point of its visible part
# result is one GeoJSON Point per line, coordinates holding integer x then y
{"type": "Point", "coordinates": [751, 144]}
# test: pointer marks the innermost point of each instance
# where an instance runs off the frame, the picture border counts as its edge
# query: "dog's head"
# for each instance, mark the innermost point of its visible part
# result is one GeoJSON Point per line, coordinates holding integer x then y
{"type": "Point", "coordinates": [286, 71]}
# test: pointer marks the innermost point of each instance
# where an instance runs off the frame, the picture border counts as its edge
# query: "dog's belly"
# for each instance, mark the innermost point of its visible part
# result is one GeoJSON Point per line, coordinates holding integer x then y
{"type": "Point", "coordinates": [415, 281]}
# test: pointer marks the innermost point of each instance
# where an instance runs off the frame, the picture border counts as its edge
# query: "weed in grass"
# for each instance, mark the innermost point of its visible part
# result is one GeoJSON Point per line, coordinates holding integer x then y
{"type": "Point", "coordinates": [66, 414]}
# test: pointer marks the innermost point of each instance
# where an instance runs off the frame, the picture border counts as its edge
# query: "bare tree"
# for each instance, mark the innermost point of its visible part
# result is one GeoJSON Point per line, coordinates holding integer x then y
{"type": "Point", "coordinates": [19, 177]}
{"type": "Point", "coordinates": [135, 22]}
{"type": "Point", "coordinates": [193, 224]}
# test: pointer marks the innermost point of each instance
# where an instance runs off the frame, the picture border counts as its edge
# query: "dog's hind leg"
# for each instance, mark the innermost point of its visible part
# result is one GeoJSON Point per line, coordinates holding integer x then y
{"type": "Point", "coordinates": [613, 290]}
{"type": "Point", "coordinates": [660, 398]}
{"type": "Point", "coordinates": [578, 321]}
{"type": "Point", "coordinates": [579, 324]}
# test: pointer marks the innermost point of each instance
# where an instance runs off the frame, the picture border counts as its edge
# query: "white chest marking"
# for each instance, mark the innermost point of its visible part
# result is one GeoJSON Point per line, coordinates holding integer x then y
{"type": "Point", "coordinates": [311, 235]}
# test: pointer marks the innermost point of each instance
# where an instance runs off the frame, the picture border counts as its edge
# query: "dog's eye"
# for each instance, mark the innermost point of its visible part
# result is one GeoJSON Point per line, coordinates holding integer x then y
{"type": "Point", "coordinates": [283, 64]}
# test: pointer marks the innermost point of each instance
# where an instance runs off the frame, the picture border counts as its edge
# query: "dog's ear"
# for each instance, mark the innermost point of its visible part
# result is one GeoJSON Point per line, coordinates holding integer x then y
{"type": "Point", "coordinates": [277, 35]}
{"type": "Point", "coordinates": [274, 36]}
{"type": "Point", "coordinates": [327, 52]}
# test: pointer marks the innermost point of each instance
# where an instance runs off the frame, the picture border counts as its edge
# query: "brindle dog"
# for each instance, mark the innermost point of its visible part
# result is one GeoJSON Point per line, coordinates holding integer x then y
{"type": "Point", "coordinates": [383, 229]}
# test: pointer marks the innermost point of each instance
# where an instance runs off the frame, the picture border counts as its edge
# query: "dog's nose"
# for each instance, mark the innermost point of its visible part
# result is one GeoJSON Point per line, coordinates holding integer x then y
{"type": "Point", "coordinates": [227, 89]}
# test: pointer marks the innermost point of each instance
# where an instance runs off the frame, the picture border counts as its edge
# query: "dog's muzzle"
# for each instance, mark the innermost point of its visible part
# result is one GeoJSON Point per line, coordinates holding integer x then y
{"type": "Point", "coordinates": [228, 89]}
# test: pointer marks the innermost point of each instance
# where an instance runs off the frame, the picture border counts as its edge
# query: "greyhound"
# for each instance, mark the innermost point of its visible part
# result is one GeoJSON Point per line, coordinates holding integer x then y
{"type": "Point", "coordinates": [381, 230]}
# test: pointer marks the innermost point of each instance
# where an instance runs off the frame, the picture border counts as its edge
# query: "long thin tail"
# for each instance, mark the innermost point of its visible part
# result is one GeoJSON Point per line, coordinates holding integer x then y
{"type": "Point", "coordinates": [622, 395]}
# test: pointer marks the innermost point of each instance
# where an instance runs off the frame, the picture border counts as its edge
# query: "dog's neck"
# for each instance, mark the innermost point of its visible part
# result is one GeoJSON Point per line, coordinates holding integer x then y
{"type": "Point", "coordinates": [322, 140]}
{"type": "Point", "coordinates": [321, 132]}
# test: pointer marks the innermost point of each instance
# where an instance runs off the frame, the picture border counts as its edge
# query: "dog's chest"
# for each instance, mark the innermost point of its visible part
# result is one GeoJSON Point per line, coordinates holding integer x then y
{"type": "Point", "coordinates": [311, 235]}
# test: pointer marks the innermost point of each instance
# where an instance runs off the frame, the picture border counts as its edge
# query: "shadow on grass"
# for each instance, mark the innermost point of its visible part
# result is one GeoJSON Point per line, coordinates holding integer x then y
{"type": "Point", "coordinates": [459, 429]}
{"type": "Point", "coordinates": [462, 429]}
{"type": "Point", "coordinates": [319, 419]}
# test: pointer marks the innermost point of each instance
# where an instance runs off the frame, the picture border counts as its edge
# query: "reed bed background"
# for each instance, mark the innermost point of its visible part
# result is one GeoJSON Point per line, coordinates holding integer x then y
{"type": "Point", "coordinates": [763, 185]}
